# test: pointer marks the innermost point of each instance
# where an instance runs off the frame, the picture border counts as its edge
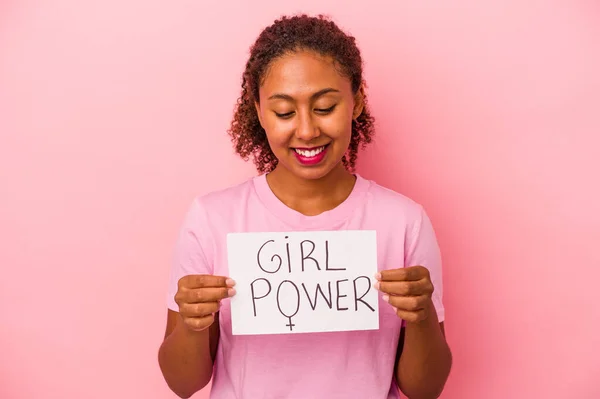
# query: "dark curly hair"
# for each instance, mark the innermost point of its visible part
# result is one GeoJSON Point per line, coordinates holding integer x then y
{"type": "Point", "coordinates": [285, 35]}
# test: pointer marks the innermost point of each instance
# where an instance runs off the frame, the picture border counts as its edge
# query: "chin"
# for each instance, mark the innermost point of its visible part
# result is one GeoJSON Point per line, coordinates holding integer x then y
{"type": "Point", "coordinates": [310, 172]}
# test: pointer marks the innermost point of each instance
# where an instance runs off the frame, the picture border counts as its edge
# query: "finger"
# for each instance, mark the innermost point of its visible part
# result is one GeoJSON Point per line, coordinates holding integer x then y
{"type": "Point", "coordinates": [407, 303]}
{"type": "Point", "coordinates": [412, 273]}
{"type": "Point", "coordinates": [205, 280]}
{"type": "Point", "coordinates": [405, 288]}
{"type": "Point", "coordinates": [199, 309]}
{"type": "Point", "coordinates": [209, 294]}
{"type": "Point", "coordinates": [199, 323]}
{"type": "Point", "coordinates": [199, 295]}
{"type": "Point", "coordinates": [411, 317]}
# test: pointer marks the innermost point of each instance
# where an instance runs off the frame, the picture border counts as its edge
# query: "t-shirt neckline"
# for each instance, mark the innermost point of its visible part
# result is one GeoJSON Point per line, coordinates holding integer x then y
{"type": "Point", "coordinates": [327, 220]}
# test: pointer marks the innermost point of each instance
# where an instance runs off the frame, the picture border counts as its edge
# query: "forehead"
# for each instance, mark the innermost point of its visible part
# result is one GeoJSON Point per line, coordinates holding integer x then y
{"type": "Point", "coordinates": [303, 73]}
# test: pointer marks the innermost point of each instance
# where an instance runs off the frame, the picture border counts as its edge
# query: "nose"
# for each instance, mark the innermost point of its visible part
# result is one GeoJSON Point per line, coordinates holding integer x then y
{"type": "Point", "coordinates": [306, 129]}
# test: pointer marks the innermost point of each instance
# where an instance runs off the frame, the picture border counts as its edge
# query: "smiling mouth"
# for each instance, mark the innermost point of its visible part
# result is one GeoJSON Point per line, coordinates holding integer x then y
{"type": "Point", "coordinates": [311, 156]}
{"type": "Point", "coordinates": [310, 152]}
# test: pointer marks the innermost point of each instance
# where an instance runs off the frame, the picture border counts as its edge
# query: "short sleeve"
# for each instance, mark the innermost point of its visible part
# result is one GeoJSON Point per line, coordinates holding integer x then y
{"type": "Point", "coordinates": [423, 250]}
{"type": "Point", "coordinates": [189, 256]}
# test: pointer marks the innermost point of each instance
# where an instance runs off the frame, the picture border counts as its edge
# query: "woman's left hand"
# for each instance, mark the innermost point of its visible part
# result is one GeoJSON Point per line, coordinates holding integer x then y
{"type": "Point", "coordinates": [408, 290]}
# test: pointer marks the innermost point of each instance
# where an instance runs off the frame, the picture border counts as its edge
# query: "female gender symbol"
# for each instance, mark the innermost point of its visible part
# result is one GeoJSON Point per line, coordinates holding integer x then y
{"type": "Point", "coordinates": [289, 316]}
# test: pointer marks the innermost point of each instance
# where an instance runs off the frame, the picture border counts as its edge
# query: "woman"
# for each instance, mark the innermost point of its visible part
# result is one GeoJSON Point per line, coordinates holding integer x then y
{"type": "Point", "coordinates": [302, 116]}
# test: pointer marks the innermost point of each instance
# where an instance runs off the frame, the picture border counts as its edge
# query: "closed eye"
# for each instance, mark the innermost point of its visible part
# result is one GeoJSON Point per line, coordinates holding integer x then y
{"type": "Point", "coordinates": [322, 111]}
{"type": "Point", "coordinates": [326, 110]}
{"type": "Point", "coordinates": [287, 115]}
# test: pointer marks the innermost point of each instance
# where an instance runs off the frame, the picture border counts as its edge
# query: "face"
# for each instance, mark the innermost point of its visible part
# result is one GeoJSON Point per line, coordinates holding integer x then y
{"type": "Point", "coordinates": [306, 109]}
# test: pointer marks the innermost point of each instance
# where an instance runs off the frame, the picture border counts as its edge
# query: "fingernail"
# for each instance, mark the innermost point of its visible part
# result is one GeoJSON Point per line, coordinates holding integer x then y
{"type": "Point", "coordinates": [378, 276]}
{"type": "Point", "coordinates": [386, 298]}
{"type": "Point", "coordinates": [376, 285]}
{"type": "Point", "coordinates": [230, 282]}
{"type": "Point", "coordinates": [231, 292]}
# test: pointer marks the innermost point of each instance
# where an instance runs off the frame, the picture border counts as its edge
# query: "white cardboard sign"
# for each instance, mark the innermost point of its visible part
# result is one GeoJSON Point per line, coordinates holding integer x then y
{"type": "Point", "coordinates": [300, 282]}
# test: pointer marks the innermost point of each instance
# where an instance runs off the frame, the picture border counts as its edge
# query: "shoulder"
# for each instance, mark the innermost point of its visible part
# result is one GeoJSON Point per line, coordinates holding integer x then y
{"type": "Point", "coordinates": [393, 203]}
{"type": "Point", "coordinates": [218, 204]}
{"type": "Point", "coordinates": [224, 199]}
{"type": "Point", "coordinates": [399, 212]}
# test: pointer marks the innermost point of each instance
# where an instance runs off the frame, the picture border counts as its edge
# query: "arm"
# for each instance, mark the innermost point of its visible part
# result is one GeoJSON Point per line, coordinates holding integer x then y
{"type": "Point", "coordinates": [424, 359]}
{"type": "Point", "coordinates": [186, 356]}
{"type": "Point", "coordinates": [188, 350]}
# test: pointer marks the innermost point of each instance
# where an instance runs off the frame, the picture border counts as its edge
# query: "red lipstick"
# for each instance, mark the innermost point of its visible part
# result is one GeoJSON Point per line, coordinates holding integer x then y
{"type": "Point", "coordinates": [310, 156]}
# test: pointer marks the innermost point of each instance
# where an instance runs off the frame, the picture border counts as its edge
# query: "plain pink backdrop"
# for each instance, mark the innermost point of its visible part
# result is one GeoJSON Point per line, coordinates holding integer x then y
{"type": "Point", "coordinates": [113, 116]}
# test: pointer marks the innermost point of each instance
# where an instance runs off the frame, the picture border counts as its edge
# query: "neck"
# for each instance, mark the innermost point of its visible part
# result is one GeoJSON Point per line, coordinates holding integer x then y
{"type": "Point", "coordinates": [314, 196]}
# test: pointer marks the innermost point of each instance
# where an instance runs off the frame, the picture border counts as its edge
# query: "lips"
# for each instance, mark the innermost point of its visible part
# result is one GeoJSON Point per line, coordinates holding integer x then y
{"type": "Point", "coordinates": [311, 156]}
{"type": "Point", "coordinates": [309, 153]}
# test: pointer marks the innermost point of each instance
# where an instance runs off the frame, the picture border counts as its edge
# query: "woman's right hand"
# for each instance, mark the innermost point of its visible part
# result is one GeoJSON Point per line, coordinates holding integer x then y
{"type": "Point", "coordinates": [199, 297]}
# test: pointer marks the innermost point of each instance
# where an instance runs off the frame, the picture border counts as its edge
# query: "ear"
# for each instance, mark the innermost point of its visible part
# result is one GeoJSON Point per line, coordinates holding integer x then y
{"type": "Point", "coordinates": [257, 108]}
{"type": "Point", "coordinates": [359, 102]}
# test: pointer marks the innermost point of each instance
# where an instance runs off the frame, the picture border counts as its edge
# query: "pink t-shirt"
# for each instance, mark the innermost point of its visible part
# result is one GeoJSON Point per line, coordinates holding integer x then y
{"type": "Point", "coordinates": [352, 364]}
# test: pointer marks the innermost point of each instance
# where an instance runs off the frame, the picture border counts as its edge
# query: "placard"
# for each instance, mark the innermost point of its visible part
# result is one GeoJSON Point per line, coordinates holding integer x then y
{"type": "Point", "coordinates": [301, 282]}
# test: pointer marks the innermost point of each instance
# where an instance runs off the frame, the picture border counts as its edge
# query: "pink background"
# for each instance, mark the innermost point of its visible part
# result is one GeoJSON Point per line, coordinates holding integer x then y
{"type": "Point", "coordinates": [113, 116]}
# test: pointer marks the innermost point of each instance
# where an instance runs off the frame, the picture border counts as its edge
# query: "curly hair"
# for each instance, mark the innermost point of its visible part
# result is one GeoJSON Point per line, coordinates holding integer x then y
{"type": "Point", "coordinates": [286, 35]}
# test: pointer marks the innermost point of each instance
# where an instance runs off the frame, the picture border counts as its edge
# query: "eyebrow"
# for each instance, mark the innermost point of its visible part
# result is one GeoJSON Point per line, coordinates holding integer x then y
{"type": "Point", "coordinates": [318, 94]}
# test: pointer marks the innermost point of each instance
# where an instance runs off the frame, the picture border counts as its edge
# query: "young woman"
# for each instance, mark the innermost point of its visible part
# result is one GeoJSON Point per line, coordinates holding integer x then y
{"type": "Point", "coordinates": [303, 116]}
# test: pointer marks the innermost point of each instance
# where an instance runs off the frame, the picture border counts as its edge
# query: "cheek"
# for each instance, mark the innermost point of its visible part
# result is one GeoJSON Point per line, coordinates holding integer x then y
{"type": "Point", "coordinates": [339, 127]}
{"type": "Point", "coordinates": [278, 133]}
{"type": "Point", "coordinates": [340, 124]}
